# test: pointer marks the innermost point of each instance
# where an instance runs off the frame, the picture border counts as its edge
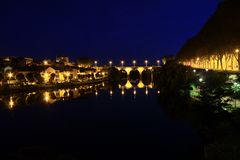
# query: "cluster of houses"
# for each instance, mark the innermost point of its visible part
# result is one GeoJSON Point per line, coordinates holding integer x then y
{"type": "Point", "coordinates": [28, 71]}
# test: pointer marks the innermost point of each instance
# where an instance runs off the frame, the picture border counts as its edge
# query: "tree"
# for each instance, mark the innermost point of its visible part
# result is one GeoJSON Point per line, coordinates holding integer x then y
{"type": "Point", "coordinates": [21, 78]}
{"type": "Point", "coordinates": [30, 77]}
{"type": "Point", "coordinates": [1, 77]}
{"type": "Point", "coordinates": [52, 77]}
{"type": "Point", "coordinates": [38, 78]}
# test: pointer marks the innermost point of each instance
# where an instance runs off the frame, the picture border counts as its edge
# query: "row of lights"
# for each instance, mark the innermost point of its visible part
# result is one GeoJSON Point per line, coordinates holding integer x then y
{"type": "Point", "coordinates": [122, 63]}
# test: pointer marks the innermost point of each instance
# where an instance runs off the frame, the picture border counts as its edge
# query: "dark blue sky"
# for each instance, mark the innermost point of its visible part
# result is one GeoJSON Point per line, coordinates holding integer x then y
{"type": "Point", "coordinates": [102, 29]}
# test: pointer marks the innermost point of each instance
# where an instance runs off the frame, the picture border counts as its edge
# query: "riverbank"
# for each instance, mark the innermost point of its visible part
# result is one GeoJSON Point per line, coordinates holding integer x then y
{"type": "Point", "coordinates": [31, 88]}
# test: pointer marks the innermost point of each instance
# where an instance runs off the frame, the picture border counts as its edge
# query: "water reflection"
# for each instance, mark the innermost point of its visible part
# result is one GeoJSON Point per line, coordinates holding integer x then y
{"type": "Point", "coordinates": [49, 97]}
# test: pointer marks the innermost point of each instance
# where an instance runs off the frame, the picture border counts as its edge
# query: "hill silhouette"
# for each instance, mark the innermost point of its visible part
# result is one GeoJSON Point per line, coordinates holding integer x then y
{"type": "Point", "coordinates": [220, 35]}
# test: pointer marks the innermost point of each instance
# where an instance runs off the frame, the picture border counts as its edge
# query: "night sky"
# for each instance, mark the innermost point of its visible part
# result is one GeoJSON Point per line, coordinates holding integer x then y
{"type": "Point", "coordinates": [101, 29]}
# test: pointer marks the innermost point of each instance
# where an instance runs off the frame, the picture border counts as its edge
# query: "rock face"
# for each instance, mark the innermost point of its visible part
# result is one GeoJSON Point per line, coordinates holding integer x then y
{"type": "Point", "coordinates": [220, 34]}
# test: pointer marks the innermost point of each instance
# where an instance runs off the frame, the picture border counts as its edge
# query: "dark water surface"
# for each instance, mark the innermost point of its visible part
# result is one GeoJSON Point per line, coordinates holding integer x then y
{"type": "Point", "coordinates": [95, 123]}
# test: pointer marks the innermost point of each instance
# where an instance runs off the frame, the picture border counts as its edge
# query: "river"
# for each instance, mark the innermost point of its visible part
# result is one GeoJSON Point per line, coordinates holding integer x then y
{"type": "Point", "coordinates": [94, 121]}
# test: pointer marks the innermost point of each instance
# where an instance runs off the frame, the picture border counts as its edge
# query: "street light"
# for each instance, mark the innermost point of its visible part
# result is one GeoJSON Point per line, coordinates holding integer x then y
{"type": "Point", "coordinates": [110, 63]}
{"type": "Point", "coordinates": [237, 50]}
{"type": "Point", "coordinates": [10, 75]}
{"type": "Point", "coordinates": [134, 63]}
{"type": "Point", "coordinates": [95, 62]}
{"type": "Point", "coordinates": [45, 62]}
{"type": "Point", "coordinates": [122, 63]}
{"type": "Point", "coordinates": [158, 63]}
{"type": "Point", "coordinates": [146, 62]}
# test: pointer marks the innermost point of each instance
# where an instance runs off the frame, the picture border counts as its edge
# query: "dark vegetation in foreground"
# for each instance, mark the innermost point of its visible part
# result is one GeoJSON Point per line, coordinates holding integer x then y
{"type": "Point", "coordinates": [209, 112]}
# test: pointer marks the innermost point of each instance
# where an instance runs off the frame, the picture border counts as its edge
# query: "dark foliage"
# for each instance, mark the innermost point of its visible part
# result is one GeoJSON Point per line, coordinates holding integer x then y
{"type": "Point", "coordinates": [220, 34]}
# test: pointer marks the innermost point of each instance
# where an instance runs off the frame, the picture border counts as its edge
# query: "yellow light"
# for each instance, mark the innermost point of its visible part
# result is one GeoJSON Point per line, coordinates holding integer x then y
{"type": "Point", "coordinates": [198, 59]}
{"type": "Point", "coordinates": [46, 77]}
{"type": "Point", "coordinates": [10, 75]}
{"type": "Point", "coordinates": [45, 62]}
{"type": "Point", "coordinates": [237, 50]}
{"type": "Point", "coordinates": [11, 103]}
{"type": "Point", "coordinates": [146, 92]}
{"type": "Point", "coordinates": [95, 62]}
{"type": "Point", "coordinates": [146, 61]}
{"type": "Point", "coordinates": [96, 93]}
{"type": "Point", "coordinates": [158, 92]}
{"type": "Point", "coordinates": [111, 92]}
{"type": "Point", "coordinates": [46, 97]}
{"type": "Point", "coordinates": [122, 62]}
{"type": "Point", "coordinates": [123, 92]}
{"type": "Point", "coordinates": [134, 62]}
{"type": "Point", "coordinates": [134, 92]}
{"type": "Point", "coordinates": [68, 74]}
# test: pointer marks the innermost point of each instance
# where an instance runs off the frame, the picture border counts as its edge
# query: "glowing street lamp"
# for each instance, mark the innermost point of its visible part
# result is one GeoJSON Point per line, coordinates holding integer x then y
{"type": "Point", "coordinates": [200, 79]}
{"type": "Point", "coordinates": [158, 63]}
{"type": "Point", "coordinates": [134, 63]}
{"type": "Point", "coordinates": [45, 62]}
{"type": "Point", "coordinates": [122, 63]}
{"type": "Point", "coordinates": [237, 50]}
{"type": "Point", "coordinates": [146, 62]}
{"type": "Point", "coordinates": [95, 62]}
{"type": "Point", "coordinates": [10, 75]}
{"type": "Point", "coordinates": [110, 63]}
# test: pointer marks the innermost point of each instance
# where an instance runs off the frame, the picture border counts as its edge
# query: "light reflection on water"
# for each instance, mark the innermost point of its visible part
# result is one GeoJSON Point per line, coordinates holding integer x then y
{"type": "Point", "coordinates": [49, 97]}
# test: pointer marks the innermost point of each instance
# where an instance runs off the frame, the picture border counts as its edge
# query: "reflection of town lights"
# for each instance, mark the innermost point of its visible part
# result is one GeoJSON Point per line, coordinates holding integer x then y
{"type": "Point", "coordinates": [146, 91]}
{"type": "Point", "coordinates": [46, 97]}
{"type": "Point", "coordinates": [134, 92]}
{"type": "Point", "coordinates": [11, 103]}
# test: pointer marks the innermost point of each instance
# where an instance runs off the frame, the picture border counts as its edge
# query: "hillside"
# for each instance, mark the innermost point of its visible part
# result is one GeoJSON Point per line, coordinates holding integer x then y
{"type": "Point", "coordinates": [220, 35]}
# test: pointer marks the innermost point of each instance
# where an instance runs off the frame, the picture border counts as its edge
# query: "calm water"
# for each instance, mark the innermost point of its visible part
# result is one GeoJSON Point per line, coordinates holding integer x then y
{"type": "Point", "coordinates": [94, 121]}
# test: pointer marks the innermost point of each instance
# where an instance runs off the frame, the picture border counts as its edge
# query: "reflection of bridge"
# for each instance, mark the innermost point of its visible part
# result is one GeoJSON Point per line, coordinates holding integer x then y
{"type": "Point", "coordinates": [140, 85]}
